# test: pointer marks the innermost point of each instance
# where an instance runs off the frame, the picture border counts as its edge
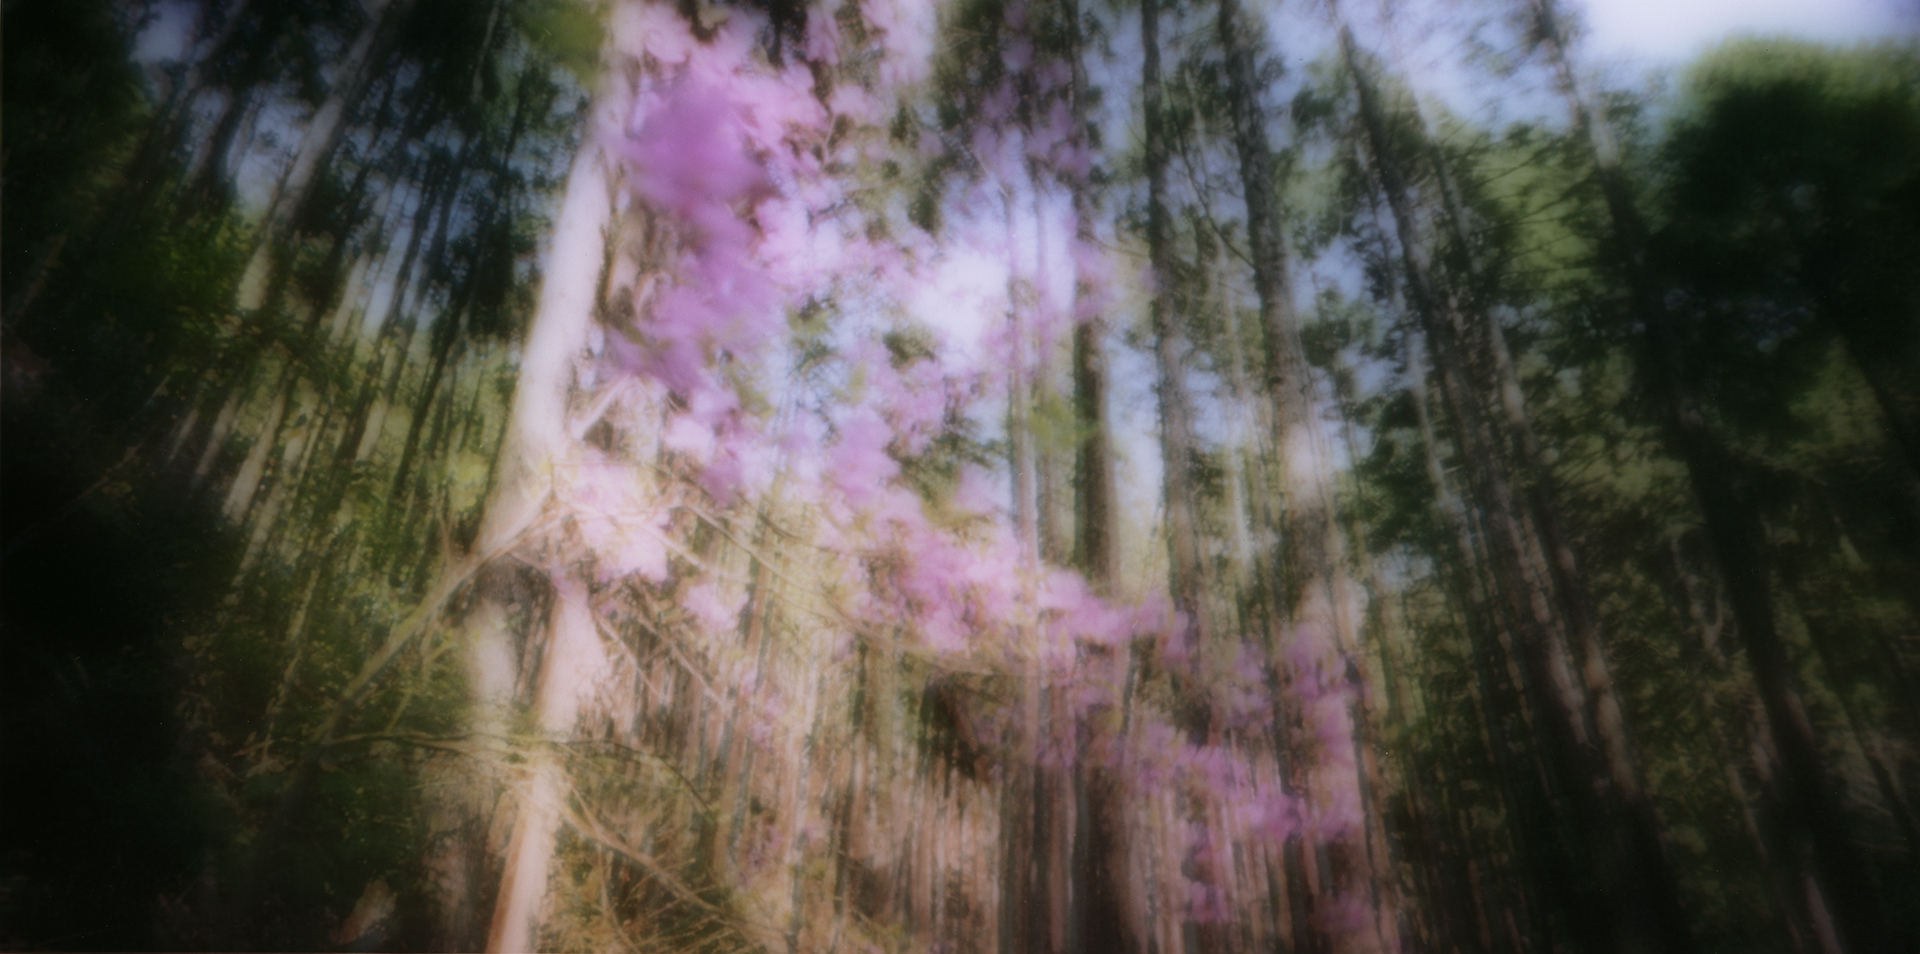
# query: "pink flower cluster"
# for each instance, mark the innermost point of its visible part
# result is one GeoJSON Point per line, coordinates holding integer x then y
{"type": "Point", "coordinates": [741, 161]}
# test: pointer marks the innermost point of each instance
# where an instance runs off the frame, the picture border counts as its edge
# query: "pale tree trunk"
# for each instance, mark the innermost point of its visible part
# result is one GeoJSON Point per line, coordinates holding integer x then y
{"type": "Point", "coordinates": [253, 469]}
{"type": "Point", "coordinates": [232, 401]}
{"type": "Point", "coordinates": [1244, 447]}
{"type": "Point", "coordinates": [1052, 510]}
{"type": "Point", "coordinates": [567, 667]}
{"type": "Point", "coordinates": [537, 443]}
{"type": "Point", "coordinates": [1017, 894]}
{"type": "Point", "coordinates": [289, 475]}
{"type": "Point", "coordinates": [1397, 920]}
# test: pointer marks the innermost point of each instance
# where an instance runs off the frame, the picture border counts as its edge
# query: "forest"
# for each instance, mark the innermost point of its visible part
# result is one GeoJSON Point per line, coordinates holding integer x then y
{"type": "Point", "coordinates": [976, 477]}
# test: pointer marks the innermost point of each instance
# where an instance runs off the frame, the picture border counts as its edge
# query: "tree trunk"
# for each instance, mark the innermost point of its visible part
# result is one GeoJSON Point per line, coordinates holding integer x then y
{"type": "Point", "coordinates": [1106, 910]}
{"type": "Point", "coordinates": [537, 440]}
{"type": "Point", "coordinates": [1188, 583]}
{"type": "Point", "coordinates": [1310, 592]}
{"type": "Point", "coordinates": [362, 63]}
{"type": "Point", "coordinates": [1813, 811]}
{"type": "Point", "coordinates": [1188, 577]}
{"type": "Point", "coordinates": [1762, 829]}
{"type": "Point", "coordinates": [536, 443]}
{"type": "Point", "coordinates": [1642, 911]}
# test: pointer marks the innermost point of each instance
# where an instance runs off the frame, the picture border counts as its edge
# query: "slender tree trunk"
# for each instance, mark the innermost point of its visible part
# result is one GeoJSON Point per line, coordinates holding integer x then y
{"type": "Point", "coordinates": [1106, 909]}
{"type": "Point", "coordinates": [1177, 448]}
{"type": "Point", "coordinates": [1310, 593]}
{"type": "Point", "coordinates": [363, 62]}
{"type": "Point", "coordinates": [253, 469]}
{"type": "Point", "coordinates": [1761, 829]}
{"type": "Point", "coordinates": [566, 668]}
{"type": "Point", "coordinates": [1188, 576]}
{"type": "Point", "coordinates": [537, 441]}
{"type": "Point", "coordinates": [1642, 911]}
{"type": "Point", "coordinates": [1813, 812]}
{"type": "Point", "coordinates": [536, 444]}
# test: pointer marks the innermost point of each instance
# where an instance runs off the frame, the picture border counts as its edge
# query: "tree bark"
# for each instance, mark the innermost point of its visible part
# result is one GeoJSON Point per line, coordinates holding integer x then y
{"type": "Point", "coordinates": [1105, 907]}
{"type": "Point", "coordinates": [1310, 591]}
{"type": "Point", "coordinates": [1188, 578]}
{"type": "Point", "coordinates": [1641, 913]}
{"type": "Point", "coordinates": [1813, 811]}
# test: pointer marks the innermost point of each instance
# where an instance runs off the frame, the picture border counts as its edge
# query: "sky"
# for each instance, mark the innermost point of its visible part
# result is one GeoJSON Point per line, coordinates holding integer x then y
{"type": "Point", "coordinates": [1665, 32]}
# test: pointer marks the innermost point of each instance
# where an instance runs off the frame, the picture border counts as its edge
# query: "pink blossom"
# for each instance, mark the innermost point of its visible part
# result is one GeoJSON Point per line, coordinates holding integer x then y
{"type": "Point", "coordinates": [1063, 590]}
{"type": "Point", "coordinates": [861, 464]}
{"type": "Point", "coordinates": [1178, 646]}
{"type": "Point", "coordinates": [663, 33]}
{"type": "Point", "coordinates": [1157, 742]}
{"type": "Point", "coordinates": [1101, 623]}
{"type": "Point", "coordinates": [904, 27]}
{"type": "Point", "coordinates": [943, 631]}
{"type": "Point", "coordinates": [1277, 816]}
{"type": "Point", "coordinates": [1017, 55]}
{"type": "Point", "coordinates": [688, 436]}
{"type": "Point", "coordinates": [975, 493]}
{"type": "Point", "coordinates": [715, 611]}
{"type": "Point", "coordinates": [688, 156]}
{"type": "Point", "coordinates": [1211, 767]}
{"type": "Point", "coordinates": [1056, 75]}
{"type": "Point", "coordinates": [1342, 817]}
{"type": "Point", "coordinates": [722, 479]}
{"type": "Point", "coordinates": [640, 554]}
{"type": "Point", "coordinates": [1245, 690]}
{"type": "Point", "coordinates": [679, 364]}
{"type": "Point", "coordinates": [1154, 615]}
{"type": "Point", "coordinates": [1331, 723]}
{"type": "Point", "coordinates": [774, 108]}
{"type": "Point", "coordinates": [1072, 159]}
{"type": "Point", "coordinates": [854, 102]}
{"type": "Point", "coordinates": [714, 407]}
{"type": "Point", "coordinates": [1206, 904]}
{"type": "Point", "coordinates": [823, 36]}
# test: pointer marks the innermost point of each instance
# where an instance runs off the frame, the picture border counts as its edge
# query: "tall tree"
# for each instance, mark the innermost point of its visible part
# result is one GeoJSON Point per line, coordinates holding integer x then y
{"type": "Point", "coordinates": [1601, 776]}
{"type": "Point", "coordinates": [1813, 814]}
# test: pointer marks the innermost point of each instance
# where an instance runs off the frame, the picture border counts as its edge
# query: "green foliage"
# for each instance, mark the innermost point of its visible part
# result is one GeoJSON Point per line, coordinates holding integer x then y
{"type": "Point", "coordinates": [566, 32]}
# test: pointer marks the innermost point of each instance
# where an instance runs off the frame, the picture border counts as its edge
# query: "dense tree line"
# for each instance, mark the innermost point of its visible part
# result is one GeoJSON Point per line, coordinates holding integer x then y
{"type": "Point", "coordinates": [996, 475]}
